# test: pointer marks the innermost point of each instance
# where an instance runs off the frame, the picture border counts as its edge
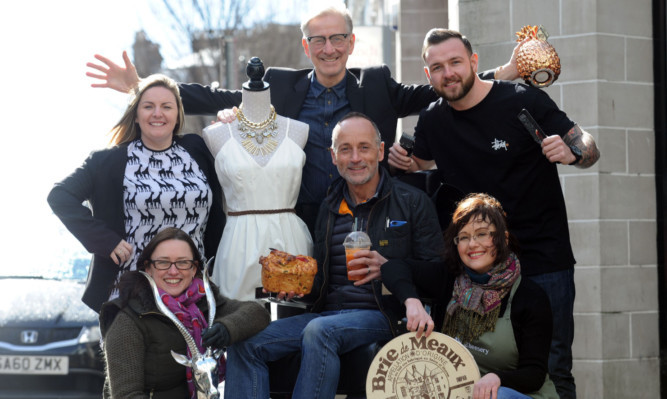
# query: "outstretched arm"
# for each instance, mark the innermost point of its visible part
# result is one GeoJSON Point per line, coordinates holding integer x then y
{"type": "Point", "coordinates": [113, 75]}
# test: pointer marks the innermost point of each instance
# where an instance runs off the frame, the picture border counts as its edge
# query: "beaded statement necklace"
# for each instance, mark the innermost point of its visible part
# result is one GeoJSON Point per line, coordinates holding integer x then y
{"type": "Point", "coordinates": [258, 137]}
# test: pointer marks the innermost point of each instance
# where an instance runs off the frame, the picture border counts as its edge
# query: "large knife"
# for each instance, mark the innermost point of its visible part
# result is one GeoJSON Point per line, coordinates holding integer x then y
{"type": "Point", "coordinates": [533, 128]}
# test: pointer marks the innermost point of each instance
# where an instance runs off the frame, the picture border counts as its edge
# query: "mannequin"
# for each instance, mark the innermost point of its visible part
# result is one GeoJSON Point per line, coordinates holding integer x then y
{"type": "Point", "coordinates": [255, 107]}
{"type": "Point", "coordinates": [258, 159]}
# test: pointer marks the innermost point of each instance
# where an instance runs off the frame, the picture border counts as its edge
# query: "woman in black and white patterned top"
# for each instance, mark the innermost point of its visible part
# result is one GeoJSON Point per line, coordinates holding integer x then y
{"type": "Point", "coordinates": [150, 179]}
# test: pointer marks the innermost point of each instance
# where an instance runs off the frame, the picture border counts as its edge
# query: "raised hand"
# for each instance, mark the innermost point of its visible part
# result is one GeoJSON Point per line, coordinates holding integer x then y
{"type": "Point", "coordinates": [510, 71]}
{"type": "Point", "coordinates": [113, 75]}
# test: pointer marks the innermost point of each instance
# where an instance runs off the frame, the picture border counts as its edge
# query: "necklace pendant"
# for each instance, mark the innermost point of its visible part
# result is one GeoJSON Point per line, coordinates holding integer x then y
{"type": "Point", "coordinates": [258, 132]}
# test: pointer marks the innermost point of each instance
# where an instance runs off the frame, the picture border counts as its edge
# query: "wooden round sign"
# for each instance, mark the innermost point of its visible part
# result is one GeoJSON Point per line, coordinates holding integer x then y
{"type": "Point", "coordinates": [430, 367]}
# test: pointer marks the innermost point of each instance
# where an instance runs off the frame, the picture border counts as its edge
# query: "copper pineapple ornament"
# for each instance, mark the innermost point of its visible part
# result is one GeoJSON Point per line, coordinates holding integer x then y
{"type": "Point", "coordinates": [537, 61]}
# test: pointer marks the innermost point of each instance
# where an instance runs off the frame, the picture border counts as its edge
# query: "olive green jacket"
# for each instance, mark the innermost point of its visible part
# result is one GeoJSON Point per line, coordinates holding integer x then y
{"type": "Point", "coordinates": [138, 340]}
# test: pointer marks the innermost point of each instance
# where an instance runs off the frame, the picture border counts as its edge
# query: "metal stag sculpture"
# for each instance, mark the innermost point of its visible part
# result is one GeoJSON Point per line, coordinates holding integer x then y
{"type": "Point", "coordinates": [204, 366]}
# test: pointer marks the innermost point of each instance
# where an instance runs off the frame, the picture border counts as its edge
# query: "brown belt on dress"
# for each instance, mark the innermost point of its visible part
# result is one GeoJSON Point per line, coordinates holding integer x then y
{"type": "Point", "coordinates": [261, 212]}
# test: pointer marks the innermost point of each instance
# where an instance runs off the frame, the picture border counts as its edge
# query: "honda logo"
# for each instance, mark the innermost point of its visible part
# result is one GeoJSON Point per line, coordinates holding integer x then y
{"type": "Point", "coordinates": [29, 337]}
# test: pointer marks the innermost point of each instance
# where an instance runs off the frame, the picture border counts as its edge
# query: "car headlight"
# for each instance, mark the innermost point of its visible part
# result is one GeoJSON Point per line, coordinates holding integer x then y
{"type": "Point", "coordinates": [90, 334]}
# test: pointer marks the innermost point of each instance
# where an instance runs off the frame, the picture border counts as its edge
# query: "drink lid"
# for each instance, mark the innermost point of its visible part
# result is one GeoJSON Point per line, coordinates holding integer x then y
{"type": "Point", "coordinates": [358, 238]}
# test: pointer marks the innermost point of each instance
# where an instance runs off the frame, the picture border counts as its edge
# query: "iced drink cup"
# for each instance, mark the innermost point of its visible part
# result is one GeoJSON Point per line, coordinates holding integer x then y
{"type": "Point", "coordinates": [355, 241]}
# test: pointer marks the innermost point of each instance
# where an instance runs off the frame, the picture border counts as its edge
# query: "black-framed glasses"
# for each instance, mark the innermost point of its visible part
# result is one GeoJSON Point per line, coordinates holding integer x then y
{"type": "Point", "coordinates": [483, 237]}
{"type": "Point", "coordinates": [183, 264]}
{"type": "Point", "coordinates": [337, 40]}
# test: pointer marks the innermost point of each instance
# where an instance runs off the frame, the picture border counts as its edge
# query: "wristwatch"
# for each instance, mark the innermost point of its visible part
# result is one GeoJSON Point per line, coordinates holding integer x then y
{"type": "Point", "coordinates": [577, 154]}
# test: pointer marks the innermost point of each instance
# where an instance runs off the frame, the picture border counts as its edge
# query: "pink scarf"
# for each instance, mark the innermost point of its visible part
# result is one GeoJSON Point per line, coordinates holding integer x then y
{"type": "Point", "coordinates": [184, 307]}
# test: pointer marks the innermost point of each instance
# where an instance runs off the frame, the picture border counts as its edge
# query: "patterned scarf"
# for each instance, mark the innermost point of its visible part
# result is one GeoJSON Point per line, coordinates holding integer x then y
{"type": "Point", "coordinates": [184, 307]}
{"type": "Point", "coordinates": [474, 308]}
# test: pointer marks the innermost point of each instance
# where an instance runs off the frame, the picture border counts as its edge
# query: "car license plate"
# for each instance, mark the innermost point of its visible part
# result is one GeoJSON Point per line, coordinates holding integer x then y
{"type": "Point", "coordinates": [34, 364]}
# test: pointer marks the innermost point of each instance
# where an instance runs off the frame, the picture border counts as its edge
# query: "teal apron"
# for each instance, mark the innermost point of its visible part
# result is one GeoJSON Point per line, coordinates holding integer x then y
{"type": "Point", "coordinates": [497, 350]}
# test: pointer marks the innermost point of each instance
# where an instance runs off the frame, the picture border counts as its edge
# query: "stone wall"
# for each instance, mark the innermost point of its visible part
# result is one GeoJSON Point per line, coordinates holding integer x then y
{"type": "Point", "coordinates": [606, 85]}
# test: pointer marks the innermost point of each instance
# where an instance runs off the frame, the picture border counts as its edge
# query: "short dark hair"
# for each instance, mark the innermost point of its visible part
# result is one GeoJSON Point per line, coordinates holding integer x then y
{"type": "Point", "coordinates": [355, 114]}
{"type": "Point", "coordinates": [439, 35]}
{"type": "Point", "coordinates": [483, 207]}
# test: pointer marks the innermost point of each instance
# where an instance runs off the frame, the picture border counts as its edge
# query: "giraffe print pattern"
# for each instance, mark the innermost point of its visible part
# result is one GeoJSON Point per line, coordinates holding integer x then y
{"type": "Point", "coordinates": [163, 189]}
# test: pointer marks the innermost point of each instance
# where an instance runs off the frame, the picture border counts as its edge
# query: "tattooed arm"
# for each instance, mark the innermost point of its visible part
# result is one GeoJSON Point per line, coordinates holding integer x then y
{"type": "Point", "coordinates": [557, 149]}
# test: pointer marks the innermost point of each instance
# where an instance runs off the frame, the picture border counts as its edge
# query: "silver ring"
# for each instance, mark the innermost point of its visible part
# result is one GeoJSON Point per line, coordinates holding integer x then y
{"type": "Point", "coordinates": [369, 270]}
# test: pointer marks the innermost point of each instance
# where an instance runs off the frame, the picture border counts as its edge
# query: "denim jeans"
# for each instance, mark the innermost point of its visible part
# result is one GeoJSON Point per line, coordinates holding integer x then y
{"type": "Point", "coordinates": [321, 338]}
{"type": "Point", "coordinates": [509, 393]}
{"type": "Point", "coordinates": [559, 287]}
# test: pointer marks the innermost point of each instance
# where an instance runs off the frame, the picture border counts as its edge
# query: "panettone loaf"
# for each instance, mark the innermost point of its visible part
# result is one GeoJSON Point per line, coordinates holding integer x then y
{"type": "Point", "coordinates": [284, 272]}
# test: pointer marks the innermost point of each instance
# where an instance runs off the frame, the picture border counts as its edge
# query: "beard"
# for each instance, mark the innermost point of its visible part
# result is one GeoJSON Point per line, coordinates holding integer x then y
{"type": "Point", "coordinates": [466, 86]}
{"type": "Point", "coordinates": [358, 180]}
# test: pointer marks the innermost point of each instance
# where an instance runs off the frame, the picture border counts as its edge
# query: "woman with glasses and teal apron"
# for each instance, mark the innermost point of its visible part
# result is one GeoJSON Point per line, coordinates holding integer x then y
{"type": "Point", "coordinates": [504, 320]}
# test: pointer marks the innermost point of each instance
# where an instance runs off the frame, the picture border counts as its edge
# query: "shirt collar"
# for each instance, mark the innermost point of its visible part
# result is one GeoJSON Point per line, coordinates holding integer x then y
{"type": "Point", "coordinates": [317, 88]}
{"type": "Point", "coordinates": [378, 190]}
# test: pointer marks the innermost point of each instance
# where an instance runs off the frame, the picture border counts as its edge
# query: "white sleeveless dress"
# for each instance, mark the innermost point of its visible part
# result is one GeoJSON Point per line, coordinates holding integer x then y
{"type": "Point", "coordinates": [248, 186]}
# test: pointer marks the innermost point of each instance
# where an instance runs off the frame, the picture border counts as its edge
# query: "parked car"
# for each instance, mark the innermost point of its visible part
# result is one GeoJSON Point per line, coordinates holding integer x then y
{"type": "Point", "coordinates": [49, 340]}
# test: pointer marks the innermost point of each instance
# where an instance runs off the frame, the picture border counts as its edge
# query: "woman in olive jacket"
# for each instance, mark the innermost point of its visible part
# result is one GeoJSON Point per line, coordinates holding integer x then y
{"type": "Point", "coordinates": [138, 338]}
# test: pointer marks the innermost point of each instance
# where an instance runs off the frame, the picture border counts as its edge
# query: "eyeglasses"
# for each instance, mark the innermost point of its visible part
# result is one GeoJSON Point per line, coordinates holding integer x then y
{"type": "Point", "coordinates": [483, 237]}
{"type": "Point", "coordinates": [337, 40]}
{"type": "Point", "coordinates": [184, 264]}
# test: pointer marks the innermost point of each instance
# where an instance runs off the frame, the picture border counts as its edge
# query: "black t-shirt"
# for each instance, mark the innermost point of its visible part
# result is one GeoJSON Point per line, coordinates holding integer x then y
{"type": "Point", "coordinates": [487, 149]}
